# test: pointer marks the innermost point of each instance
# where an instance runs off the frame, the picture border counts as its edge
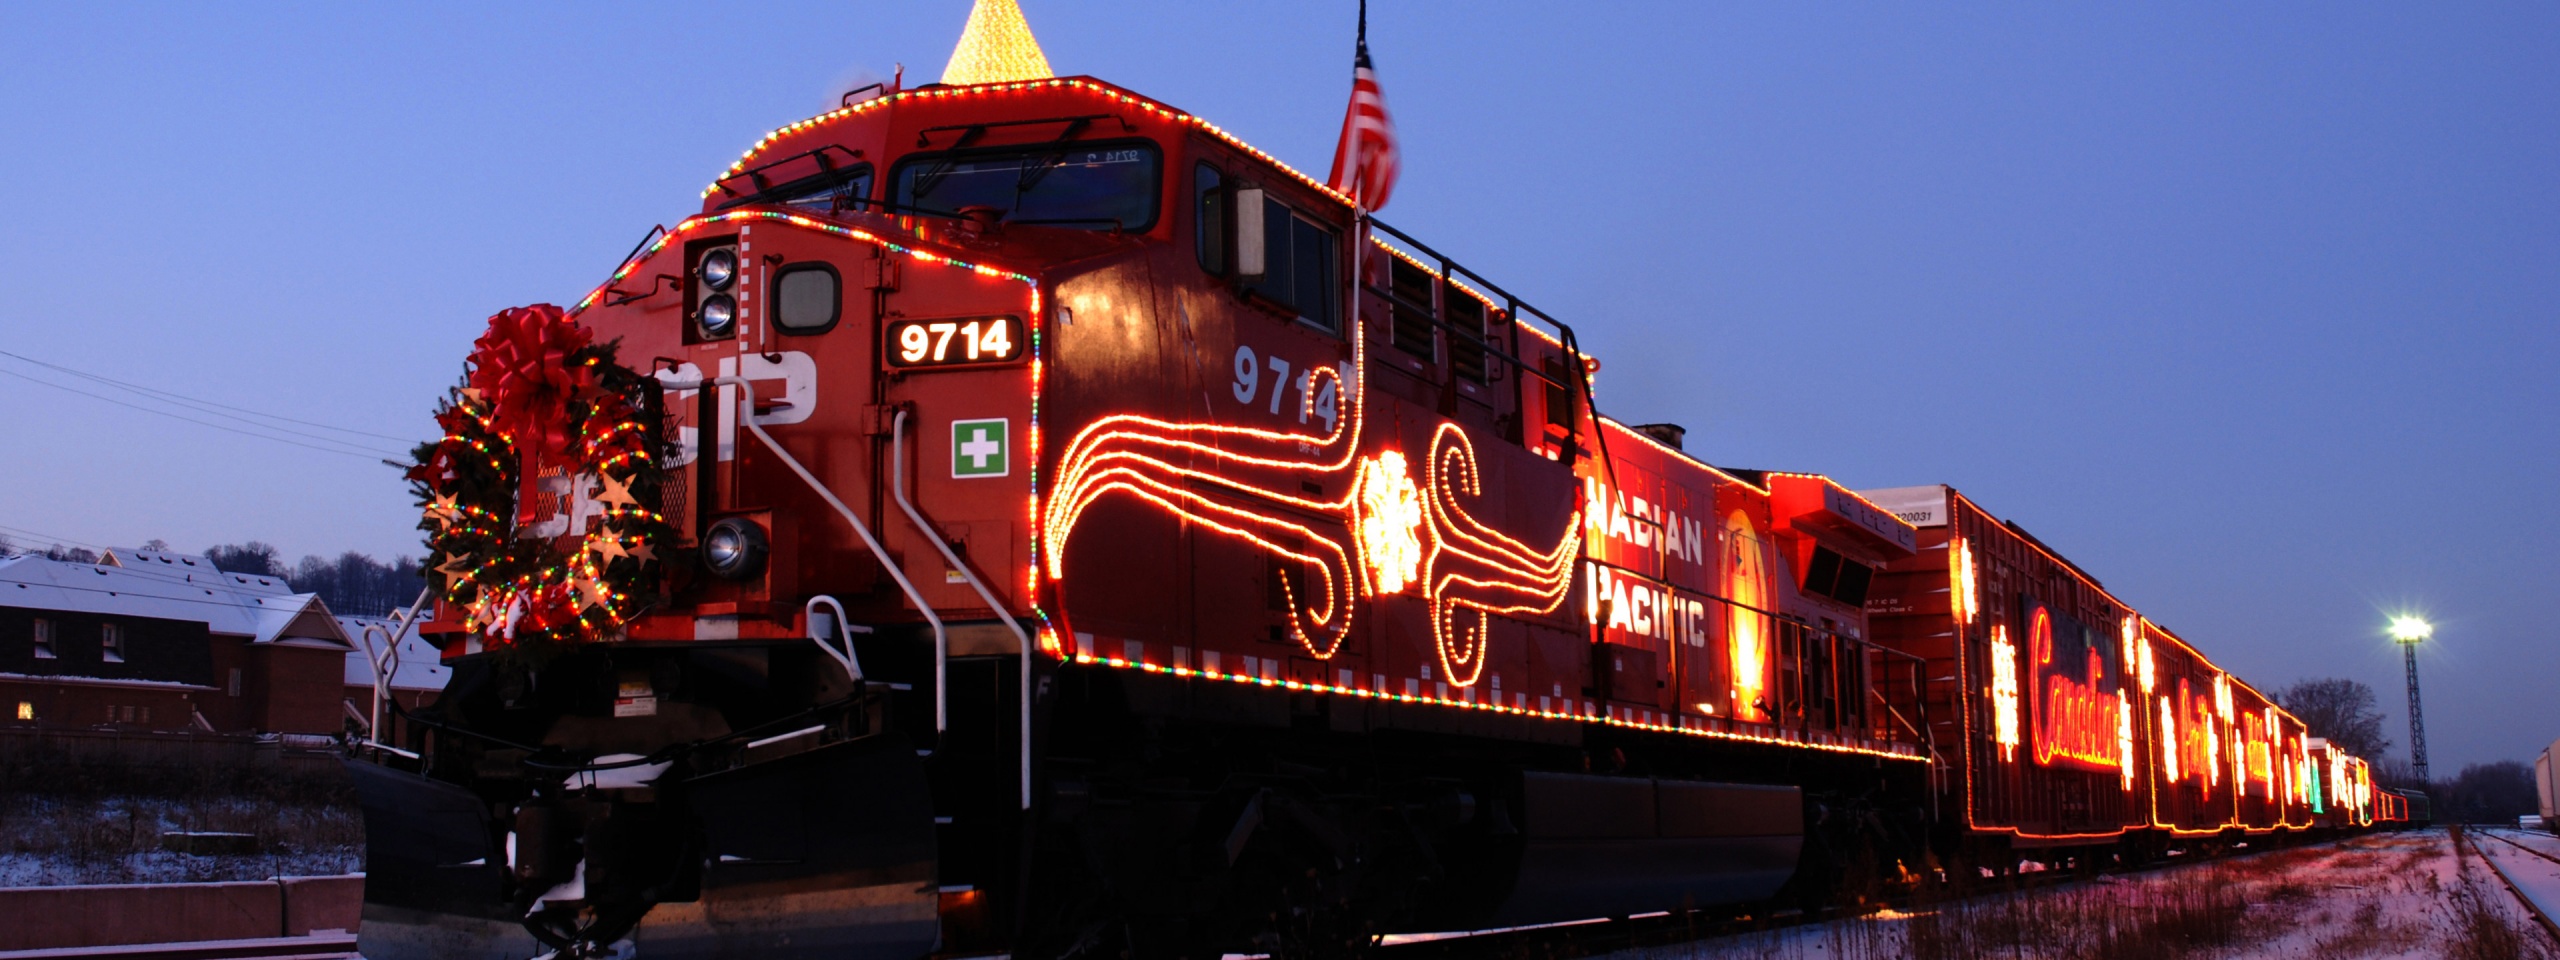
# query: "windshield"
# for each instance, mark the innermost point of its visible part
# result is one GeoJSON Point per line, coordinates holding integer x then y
{"type": "Point", "coordinates": [825, 193]}
{"type": "Point", "coordinates": [1098, 187]}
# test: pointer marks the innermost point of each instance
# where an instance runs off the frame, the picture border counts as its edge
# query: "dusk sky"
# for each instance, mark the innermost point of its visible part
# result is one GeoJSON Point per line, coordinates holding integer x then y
{"type": "Point", "coordinates": [2250, 311]}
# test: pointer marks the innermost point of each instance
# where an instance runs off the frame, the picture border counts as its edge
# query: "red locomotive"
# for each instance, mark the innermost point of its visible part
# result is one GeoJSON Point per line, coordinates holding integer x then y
{"type": "Point", "coordinates": [1022, 517]}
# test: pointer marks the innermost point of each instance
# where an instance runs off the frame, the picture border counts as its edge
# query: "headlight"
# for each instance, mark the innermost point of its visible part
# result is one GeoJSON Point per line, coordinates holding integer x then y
{"type": "Point", "coordinates": [734, 549]}
{"type": "Point", "coordinates": [718, 268]}
{"type": "Point", "coordinates": [718, 313]}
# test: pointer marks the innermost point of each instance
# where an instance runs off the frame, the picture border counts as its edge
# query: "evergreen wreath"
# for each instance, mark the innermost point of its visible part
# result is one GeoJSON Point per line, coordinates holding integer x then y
{"type": "Point", "coordinates": [541, 393]}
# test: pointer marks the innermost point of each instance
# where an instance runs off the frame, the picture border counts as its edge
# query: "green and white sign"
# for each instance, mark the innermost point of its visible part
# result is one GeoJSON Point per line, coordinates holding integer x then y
{"type": "Point", "coordinates": [980, 448]}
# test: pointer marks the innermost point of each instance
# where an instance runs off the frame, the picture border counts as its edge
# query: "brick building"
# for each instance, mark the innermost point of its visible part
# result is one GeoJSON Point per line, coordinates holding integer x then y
{"type": "Point", "coordinates": [153, 641]}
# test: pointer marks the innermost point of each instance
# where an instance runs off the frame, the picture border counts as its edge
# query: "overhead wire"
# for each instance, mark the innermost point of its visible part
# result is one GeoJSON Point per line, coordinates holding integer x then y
{"type": "Point", "coordinates": [344, 449]}
{"type": "Point", "coordinates": [206, 406]}
{"type": "Point", "coordinates": [169, 575]}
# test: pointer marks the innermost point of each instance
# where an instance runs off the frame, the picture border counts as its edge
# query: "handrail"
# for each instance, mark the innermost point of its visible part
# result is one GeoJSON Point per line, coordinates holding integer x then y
{"type": "Point", "coordinates": [941, 636]}
{"type": "Point", "coordinates": [898, 489]}
{"type": "Point", "coordinates": [385, 660]}
{"type": "Point", "coordinates": [844, 629]}
{"type": "Point", "coordinates": [1916, 734]}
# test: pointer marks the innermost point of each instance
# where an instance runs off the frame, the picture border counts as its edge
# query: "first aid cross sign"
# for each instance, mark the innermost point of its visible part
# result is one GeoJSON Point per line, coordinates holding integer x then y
{"type": "Point", "coordinates": [979, 449]}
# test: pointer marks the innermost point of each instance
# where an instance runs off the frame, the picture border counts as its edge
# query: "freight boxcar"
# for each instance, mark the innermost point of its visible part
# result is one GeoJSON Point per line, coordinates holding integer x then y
{"type": "Point", "coordinates": [2546, 786]}
{"type": "Point", "coordinates": [2073, 721]}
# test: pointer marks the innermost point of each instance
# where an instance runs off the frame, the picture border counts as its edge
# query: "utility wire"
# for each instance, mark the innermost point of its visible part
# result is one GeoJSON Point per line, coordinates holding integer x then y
{"type": "Point", "coordinates": [192, 401]}
{"type": "Point", "coordinates": [58, 541]}
{"type": "Point", "coordinates": [345, 449]}
{"type": "Point", "coordinates": [171, 575]}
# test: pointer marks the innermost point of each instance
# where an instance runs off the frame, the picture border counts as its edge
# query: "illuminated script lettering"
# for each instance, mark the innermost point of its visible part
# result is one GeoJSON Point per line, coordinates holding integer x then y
{"type": "Point", "coordinates": [2075, 724]}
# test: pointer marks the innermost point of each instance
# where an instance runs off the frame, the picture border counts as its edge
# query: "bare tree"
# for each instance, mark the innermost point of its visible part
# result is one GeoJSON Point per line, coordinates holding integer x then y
{"type": "Point", "coordinates": [2486, 793]}
{"type": "Point", "coordinates": [2344, 711]}
{"type": "Point", "coordinates": [357, 584]}
{"type": "Point", "coordinates": [71, 554]}
{"type": "Point", "coordinates": [255, 558]}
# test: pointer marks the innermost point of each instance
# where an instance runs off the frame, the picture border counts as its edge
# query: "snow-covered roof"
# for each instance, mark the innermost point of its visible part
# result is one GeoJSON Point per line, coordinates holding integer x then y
{"type": "Point", "coordinates": [172, 586]}
{"type": "Point", "coordinates": [420, 662]}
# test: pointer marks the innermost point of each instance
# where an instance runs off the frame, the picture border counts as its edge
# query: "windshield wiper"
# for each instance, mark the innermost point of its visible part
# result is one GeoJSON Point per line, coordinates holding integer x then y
{"type": "Point", "coordinates": [1034, 171]}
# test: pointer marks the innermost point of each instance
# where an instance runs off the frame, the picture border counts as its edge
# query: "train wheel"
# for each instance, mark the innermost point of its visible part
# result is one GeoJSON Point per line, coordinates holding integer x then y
{"type": "Point", "coordinates": [1307, 864]}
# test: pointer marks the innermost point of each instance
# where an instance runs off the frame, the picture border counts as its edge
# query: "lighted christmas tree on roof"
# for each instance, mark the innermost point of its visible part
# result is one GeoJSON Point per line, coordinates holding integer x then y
{"type": "Point", "coordinates": [996, 47]}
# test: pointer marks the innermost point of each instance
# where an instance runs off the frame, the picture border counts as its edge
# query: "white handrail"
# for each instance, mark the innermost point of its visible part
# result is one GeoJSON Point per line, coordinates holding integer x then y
{"type": "Point", "coordinates": [844, 630]}
{"type": "Point", "coordinates": [941, 637]}
{"type": "Point", "coordinates": [898, 489]}
{"type": "Point", "coordinates": [385, 659]}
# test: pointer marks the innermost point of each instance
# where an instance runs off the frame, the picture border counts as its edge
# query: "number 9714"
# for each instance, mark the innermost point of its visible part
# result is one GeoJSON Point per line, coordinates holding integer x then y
{"type": "Point", "coordinates": [944, 343]}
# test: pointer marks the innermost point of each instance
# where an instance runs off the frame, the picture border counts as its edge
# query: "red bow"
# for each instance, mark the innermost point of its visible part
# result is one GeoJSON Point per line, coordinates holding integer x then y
{"type": "Point", "coordinates": [522, 369]}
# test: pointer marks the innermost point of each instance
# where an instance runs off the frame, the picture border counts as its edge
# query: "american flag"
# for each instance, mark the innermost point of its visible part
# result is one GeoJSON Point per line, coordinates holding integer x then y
{"type": "Point", "coordinates": [1364, 161]}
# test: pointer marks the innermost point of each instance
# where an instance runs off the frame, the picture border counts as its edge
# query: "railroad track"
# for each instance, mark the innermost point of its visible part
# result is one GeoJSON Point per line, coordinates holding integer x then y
{"type": "Point", "coordinates": [1596, 937]}
{"type": "Point", "coordinates": [2531, 908]}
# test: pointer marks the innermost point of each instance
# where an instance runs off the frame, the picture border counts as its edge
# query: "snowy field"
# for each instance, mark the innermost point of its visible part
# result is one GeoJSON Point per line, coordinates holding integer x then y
{"type": "Point", "coordinates": [2386, 896]}
{"type": "Point", "coordinates": [53, 840]}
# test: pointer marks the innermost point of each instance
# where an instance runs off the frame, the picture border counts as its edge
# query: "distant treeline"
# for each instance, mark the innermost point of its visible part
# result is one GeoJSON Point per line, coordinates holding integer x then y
{"type": "Point", "coordinates": [353, 584]}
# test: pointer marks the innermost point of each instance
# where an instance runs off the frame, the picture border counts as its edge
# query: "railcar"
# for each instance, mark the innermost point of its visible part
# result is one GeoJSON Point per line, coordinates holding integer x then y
{"type": "Point", "coordinates": [2546, 788]}
{"type": "Point", "coordinates": [2415, 808]}
{"type": "Point", "coordinates": [1086, 535]}
{"type": "Point", "coordinates": [2344, 797]}
{"type": "Point", "coordinates": [2076, 727]}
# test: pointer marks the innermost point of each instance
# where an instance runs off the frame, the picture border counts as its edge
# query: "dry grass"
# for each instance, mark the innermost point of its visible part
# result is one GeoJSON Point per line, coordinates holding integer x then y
{"type": "Point", "coordinates": [2189, 914]}
{"type": "Point", "coordinates": [2481, 918]}
{"type": "Point", "coordinates": [2482, 929]}
{"type": "Point", "coordinates": [72, 824]}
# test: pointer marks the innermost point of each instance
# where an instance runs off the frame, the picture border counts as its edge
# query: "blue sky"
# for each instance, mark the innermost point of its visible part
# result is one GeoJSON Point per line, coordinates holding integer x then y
{"type": "Point", "coordinates": [2250, 311]}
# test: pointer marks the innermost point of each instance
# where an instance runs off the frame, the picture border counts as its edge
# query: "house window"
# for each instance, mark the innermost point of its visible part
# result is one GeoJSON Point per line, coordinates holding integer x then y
{"type": "Point", "coordinates": [235, 681]}
{"type": "Point", "coordinates": [111, 642]}
{"type": "Point", "coordinates": [44, 639]}
{"type": "Point", "coordinates": [26, 710]}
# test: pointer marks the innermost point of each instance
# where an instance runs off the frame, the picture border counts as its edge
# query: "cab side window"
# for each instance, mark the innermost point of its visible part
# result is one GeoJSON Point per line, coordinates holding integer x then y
{"type": "Point", "coordinates": [1209, 218]}
{"type": "Point", "coordinates": [1300, 263]}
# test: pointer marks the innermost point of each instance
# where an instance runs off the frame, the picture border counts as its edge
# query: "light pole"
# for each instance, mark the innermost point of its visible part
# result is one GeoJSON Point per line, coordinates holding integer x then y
{"type": "Point", "coordinates": [2407, 632]}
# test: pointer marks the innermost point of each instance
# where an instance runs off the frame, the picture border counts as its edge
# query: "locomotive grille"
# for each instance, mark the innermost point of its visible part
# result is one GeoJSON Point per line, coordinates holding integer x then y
{"type": "Point", "coordinates": [1412, 312]}
{"type": "Point", "coordinates": [675, 487]}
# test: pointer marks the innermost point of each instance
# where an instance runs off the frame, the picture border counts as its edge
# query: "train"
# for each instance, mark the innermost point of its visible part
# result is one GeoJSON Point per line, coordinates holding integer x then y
{"type": "Point", "coordinates": [1023, 518]}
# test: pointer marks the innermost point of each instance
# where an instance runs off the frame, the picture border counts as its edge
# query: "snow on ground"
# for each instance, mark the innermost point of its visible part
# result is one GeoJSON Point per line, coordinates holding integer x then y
{"type": "Point", "coordinates": [2540, 841]}
{"type": "Point", "coordinates": [2528, 864]}
{"type": "Point", "coordinates": [50, 840]}
{"type": "Point", "coordinates": [2384, 897]}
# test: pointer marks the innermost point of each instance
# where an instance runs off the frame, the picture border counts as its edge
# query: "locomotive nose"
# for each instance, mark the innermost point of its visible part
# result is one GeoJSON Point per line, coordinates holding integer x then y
{"type": "Point", "coordinates": [787, 844]}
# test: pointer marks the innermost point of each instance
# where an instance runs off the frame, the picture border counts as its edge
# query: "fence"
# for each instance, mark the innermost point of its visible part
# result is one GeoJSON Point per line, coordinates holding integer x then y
{"type": "Point", "coordinates": [26, 754]}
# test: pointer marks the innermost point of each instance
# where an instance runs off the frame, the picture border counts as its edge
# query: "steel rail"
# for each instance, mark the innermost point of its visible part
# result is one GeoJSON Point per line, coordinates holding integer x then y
{"type": "Point", "coordinates": [2531, 908]}
{"type": "Point", "coordinates": [1573, 939]}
